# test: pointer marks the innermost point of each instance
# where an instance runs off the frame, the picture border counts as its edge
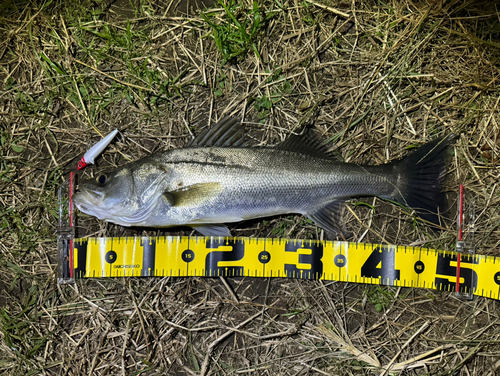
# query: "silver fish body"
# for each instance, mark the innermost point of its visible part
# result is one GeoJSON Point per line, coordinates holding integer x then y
{"type": "Point", "coordinates": [204, 187]}
{"type": "Point", "coordinates": [252, 183]}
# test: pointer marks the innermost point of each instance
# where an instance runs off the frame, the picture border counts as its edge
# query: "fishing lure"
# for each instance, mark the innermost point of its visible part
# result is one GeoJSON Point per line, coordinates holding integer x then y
{"type": "Point", "coordinates": [94, 151]}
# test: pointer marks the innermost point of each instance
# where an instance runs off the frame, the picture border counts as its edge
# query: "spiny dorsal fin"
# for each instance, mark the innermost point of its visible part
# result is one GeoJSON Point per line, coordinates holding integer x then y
{"type": "Point", "coordinates": [228, 132]}
{"type": "Point", "coordinates": [307, 144]}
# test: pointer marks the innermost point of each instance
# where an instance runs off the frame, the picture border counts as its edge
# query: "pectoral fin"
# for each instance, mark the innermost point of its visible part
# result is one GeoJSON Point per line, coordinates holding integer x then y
{"type": "Point", "coordinates": [212, 230]}
{"type": "Point", "coordinates": [192, 195]}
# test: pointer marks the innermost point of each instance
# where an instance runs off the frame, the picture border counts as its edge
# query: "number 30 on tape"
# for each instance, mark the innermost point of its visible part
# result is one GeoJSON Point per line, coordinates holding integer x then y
{"type": "Point", "coordinates": [303, 259]}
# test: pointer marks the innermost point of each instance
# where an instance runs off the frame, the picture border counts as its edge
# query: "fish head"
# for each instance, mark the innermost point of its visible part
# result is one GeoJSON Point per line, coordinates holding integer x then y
{"type": "Point", "coordinates": [126, 195]}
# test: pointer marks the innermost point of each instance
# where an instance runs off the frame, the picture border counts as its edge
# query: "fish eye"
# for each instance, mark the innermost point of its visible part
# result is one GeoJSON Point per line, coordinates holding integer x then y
{"type": "Point", "coordinates": [101, 179]}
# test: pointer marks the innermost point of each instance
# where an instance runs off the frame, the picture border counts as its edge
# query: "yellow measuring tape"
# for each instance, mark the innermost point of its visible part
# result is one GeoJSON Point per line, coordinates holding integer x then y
{"type": "Point", "coordinates": [303, 259]}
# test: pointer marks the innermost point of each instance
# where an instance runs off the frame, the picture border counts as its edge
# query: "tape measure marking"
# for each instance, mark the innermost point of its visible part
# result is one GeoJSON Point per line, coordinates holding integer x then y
{"type": "Point", "coordinates": [302, 259]}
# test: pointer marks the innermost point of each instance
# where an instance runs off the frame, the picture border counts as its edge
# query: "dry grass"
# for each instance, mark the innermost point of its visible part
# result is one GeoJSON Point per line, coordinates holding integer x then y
{"type": "Point", "coordinates": [389, 76]}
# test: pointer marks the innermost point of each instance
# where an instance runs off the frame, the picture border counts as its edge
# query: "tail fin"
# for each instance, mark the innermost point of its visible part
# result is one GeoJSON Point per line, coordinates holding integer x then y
{"type": "Point", "coordinates": [423, 173]}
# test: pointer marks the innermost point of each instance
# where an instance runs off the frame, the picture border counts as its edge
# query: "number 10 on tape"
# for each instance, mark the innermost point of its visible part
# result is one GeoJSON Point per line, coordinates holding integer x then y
{"type": "Point", "coordinates": [303, 259]}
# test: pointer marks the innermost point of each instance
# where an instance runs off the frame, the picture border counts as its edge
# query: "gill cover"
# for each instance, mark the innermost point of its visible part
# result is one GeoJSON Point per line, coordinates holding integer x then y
{"type": "Point", "coordinates": [148, 188]}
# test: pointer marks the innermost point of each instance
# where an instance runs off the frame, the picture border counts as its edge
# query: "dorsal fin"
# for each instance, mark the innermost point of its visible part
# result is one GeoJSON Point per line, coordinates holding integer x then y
{"type": "Point", "coordinates": [307, 143]}
{"type": "Point", "coordinates": [228, 132]}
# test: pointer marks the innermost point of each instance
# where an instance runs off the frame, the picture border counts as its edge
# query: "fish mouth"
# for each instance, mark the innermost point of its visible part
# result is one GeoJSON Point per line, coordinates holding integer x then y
{"type": "Point", "coordinates": [92, 196]}
{"type": "Point", "coordinates": [88, 202]}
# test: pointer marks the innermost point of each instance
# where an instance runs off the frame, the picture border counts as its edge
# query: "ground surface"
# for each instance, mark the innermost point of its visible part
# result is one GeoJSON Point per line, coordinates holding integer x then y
{"type": "Point", "coordinates": [375, 78]}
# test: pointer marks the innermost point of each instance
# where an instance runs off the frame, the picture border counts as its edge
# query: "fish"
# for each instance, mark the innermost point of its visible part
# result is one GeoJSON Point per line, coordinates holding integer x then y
{"type": "Point", "coordinates": [220, 178]}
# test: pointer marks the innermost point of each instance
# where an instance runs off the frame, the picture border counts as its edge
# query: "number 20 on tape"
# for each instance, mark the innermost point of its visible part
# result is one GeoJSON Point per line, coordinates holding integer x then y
{"type": "Point", "coordinates": [303, 259]}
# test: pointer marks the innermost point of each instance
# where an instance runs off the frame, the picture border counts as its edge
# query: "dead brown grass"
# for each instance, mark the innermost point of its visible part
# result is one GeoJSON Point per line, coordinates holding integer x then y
{"type": "Point", "coordinates": [388, 76]}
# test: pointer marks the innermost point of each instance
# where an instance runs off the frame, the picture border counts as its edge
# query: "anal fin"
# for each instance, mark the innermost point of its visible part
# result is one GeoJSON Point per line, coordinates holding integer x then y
{"type": "Point", "coordinates": [328, 217]}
